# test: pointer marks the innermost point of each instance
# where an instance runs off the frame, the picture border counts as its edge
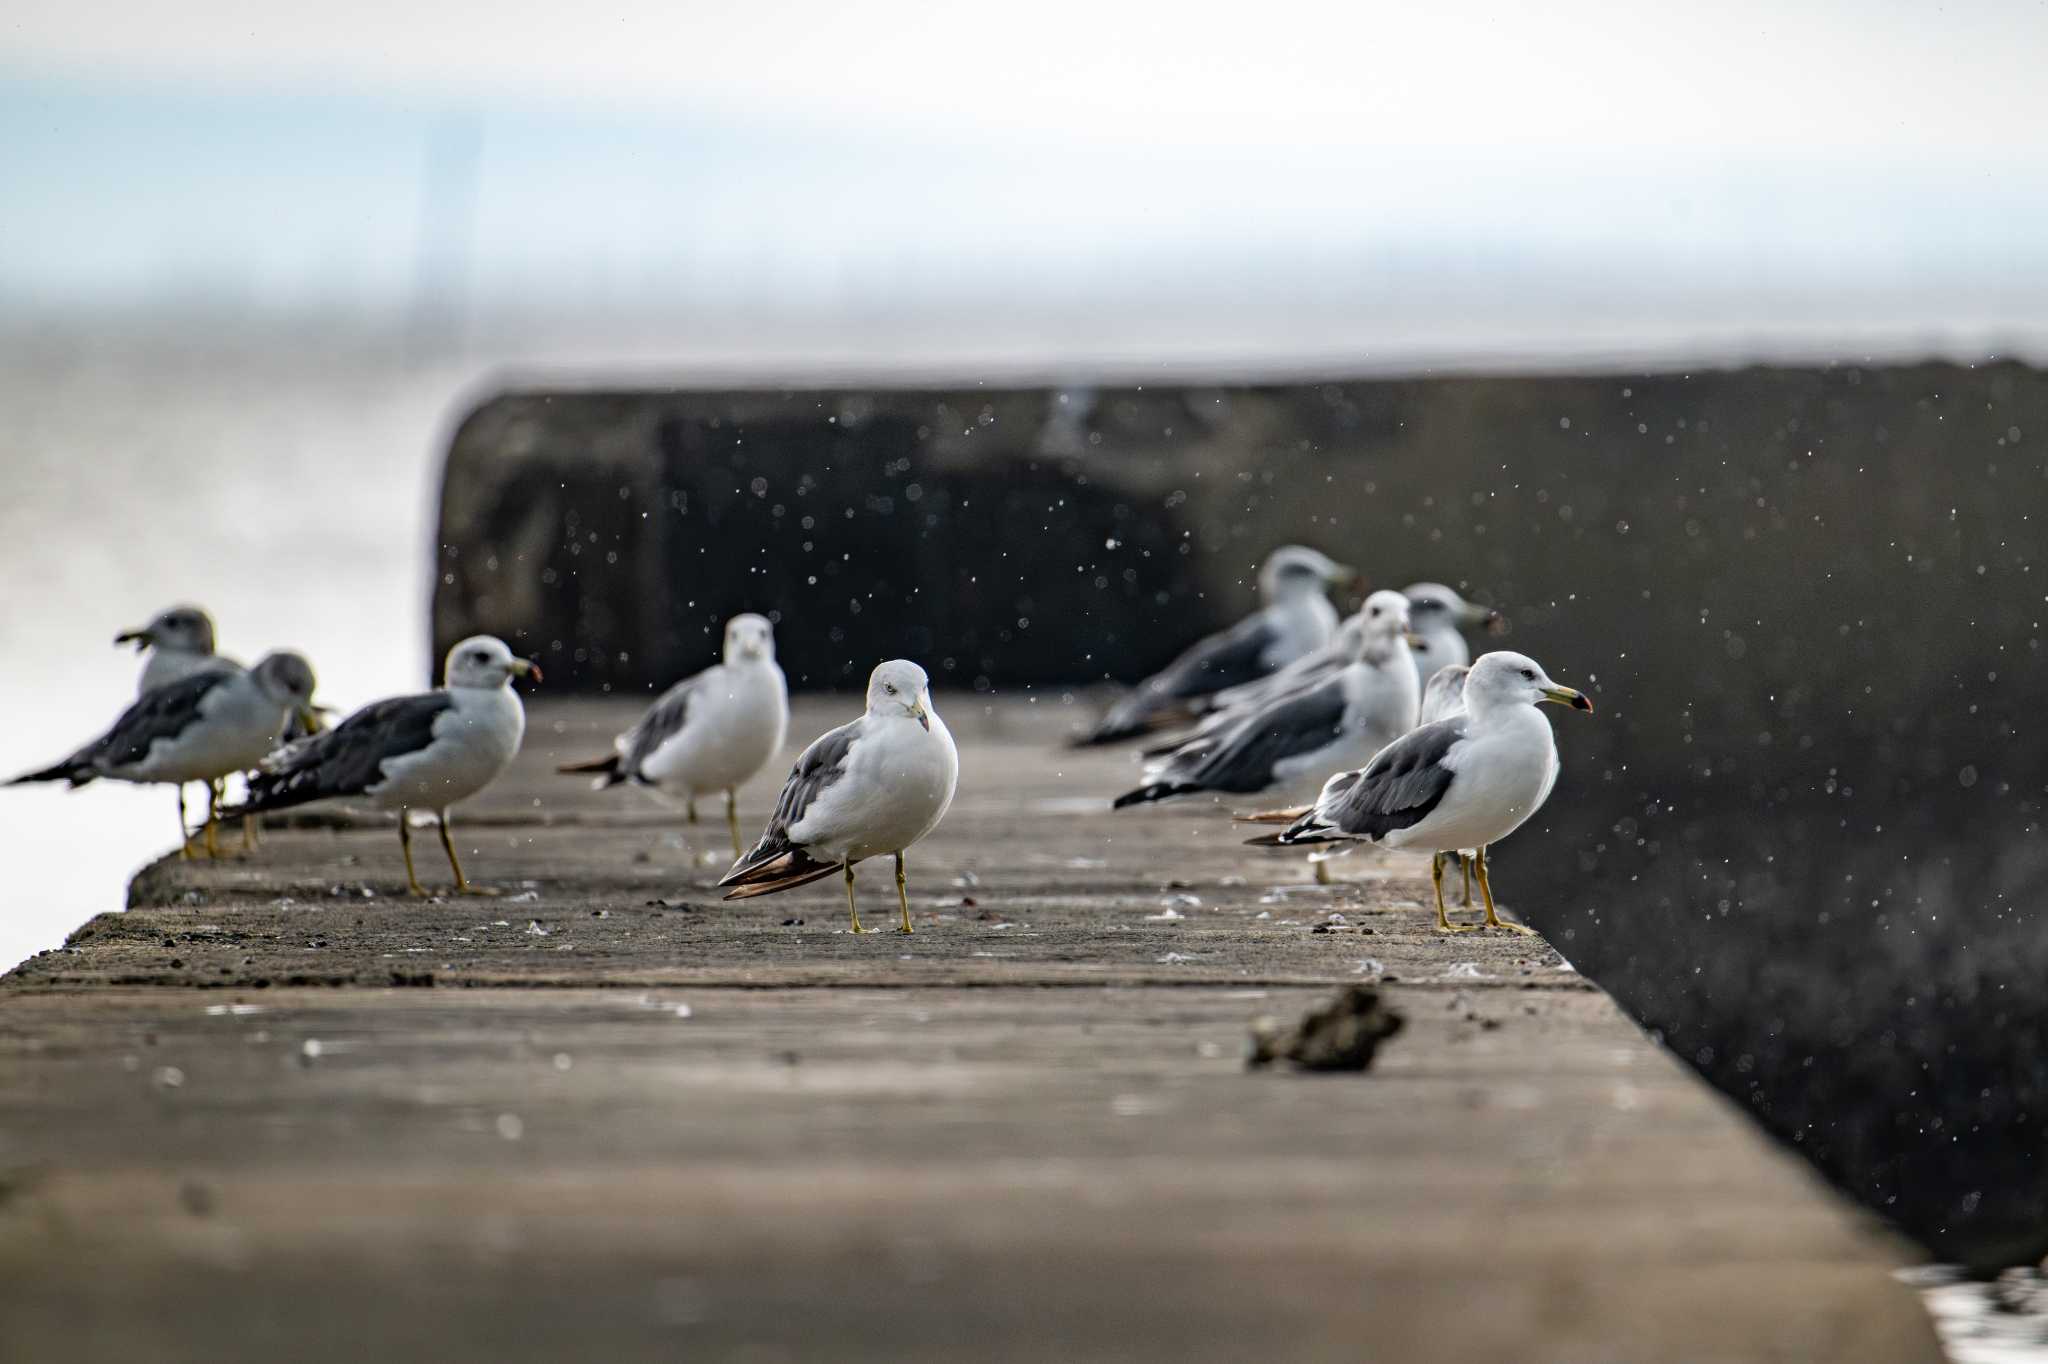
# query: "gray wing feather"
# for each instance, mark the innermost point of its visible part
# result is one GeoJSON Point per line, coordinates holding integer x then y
{"type": "Point", "coordinates": [162, 713]}
{"type": "Point", "coordinates": [350, 758]}
{"type": "Point", "coordinates": [817, 768]}
{"type": "Point", "coordinates": [1243, 758]}
{"type": "Point", "coordinates": [662, 722]}
{"type": "Point", "coordinates": [1396, 790]}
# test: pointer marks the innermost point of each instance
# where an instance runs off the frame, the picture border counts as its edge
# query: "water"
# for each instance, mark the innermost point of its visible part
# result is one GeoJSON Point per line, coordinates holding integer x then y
{"type": "Point", "coordinates": [289, 491]}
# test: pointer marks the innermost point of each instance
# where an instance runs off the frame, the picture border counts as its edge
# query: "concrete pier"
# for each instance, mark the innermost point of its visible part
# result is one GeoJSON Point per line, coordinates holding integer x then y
{"type": "Point", "coordinates": [278, 1110]}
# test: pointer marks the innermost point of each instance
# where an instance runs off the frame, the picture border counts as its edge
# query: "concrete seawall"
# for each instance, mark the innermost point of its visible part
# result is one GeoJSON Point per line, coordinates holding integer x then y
{"type": "Point", "coordinates": [278, 1110]}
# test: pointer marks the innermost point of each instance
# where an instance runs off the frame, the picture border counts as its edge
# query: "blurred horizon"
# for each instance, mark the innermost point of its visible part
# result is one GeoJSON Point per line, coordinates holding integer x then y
{"type": "Point", "coordinates": [1593, 190]}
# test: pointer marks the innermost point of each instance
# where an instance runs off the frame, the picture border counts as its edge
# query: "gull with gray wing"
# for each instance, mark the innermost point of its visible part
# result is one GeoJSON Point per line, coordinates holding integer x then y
{"type": "Point", "coordinates": [200, 727]}
{"type": "Point", "coordinates": [873, 786]}
{"type": "Point", "coordinates": [709, 732]}
{"type": "Point", "coordinates": [426, 751]}
{"type": "Point", "coordinates": [1464, 782]}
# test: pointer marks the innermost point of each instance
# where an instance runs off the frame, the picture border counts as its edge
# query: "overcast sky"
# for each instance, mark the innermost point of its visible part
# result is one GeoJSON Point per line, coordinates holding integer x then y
{"type": "Point", "coordinates": [1528, 174]}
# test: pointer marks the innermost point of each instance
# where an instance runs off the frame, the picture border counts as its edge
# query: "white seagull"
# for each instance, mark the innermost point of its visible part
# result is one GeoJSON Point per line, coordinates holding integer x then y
{"type": "Point", "coordinates": [1439, 615]}
{"type": "Point", "coordinates": [1295, 620]}
{"type": "Point", "coordinates": [1339, 721]}
{"type": "Point", "coordinates": [179, 642]}
{"type": "Point", "coordinates": [1465, 782]}
{"type": "Point", "coordinates": [874, 786]}
{"type": "Point", "coordinates": [709, 732]}
{"type": "Point", "coordinates": [198, 728]}
{"type": "Point", "coordinates": [424, 752]}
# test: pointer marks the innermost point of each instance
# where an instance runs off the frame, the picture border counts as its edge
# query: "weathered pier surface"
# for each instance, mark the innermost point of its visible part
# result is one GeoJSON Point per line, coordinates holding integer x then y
{"type": "Point", "coordinates": [279, 1111]}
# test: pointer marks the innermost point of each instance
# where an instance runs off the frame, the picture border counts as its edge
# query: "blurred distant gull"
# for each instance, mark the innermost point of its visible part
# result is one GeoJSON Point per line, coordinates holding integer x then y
{"type": "Point", "coordinates": [874, 786]}
{"type": "Point", "coordinates": [179, 641]}
{"type": "Point", "coordinates": [710, 732]}
{"type": "Point", "coordinates": [1439, 613]}
{"type": "Point", "coordinates": [426, 751]}
{"type": "Point", "coordinates": [1465, 782]}
{"type": "Point", "coordinates": [1339, 721]}
{"type": "Point", "coordinates": [1296, 619]}
{"type": "Point", "coordinates": [1444, 695]}
{"type": "Point", "coordinates": [198, 728]}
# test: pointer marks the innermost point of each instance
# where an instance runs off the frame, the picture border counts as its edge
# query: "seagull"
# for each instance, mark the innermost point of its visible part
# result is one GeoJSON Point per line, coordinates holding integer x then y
{"type": "Point", "coordinates": [198, 728]}
{"type": "Point", "coordinates": [179, 642]}
{"type": "Point", "coordinates": [1296, 619]}
{"type": "Point", "coordinates": [1465, 782]}
{"type": "Point", "coordinates": [1340, 721]}
{"type": "Point", "coordinates": [710, 732]}
{"type": "Point", "coordinates": [1438, 613]}
{"type": "Point", "coordinates": [874, 786]}
{"type": "Point", "coordinates": [425, 751]}
{"type": "Point", "coordinates": [1444, 694]}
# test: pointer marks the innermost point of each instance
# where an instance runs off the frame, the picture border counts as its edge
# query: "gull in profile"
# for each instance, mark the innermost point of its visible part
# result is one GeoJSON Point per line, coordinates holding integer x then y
{"type": "Point", "coordinates": [421, 752]}
{"type": "Point", "coordinates": [1440, 617]}
{"type": "Point", "coordinates": [1295, 619]}
{"type": "Point", "coordinates": [709, 732]}
{"type": "Point", "coordinates": [200, 727]}
{"type": "Point", "coordinates": [1464, 782]}
{"type": "Point", "coordinates": [875, 785]}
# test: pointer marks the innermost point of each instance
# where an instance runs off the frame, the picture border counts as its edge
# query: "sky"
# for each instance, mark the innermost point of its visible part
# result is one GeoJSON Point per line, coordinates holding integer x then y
{"type": "Point", "coordinates": [1331, 180]}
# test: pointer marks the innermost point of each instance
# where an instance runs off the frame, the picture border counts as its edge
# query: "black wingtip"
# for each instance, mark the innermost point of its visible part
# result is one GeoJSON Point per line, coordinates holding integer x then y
{"type": "Point", "coordinates": [1158, 790]}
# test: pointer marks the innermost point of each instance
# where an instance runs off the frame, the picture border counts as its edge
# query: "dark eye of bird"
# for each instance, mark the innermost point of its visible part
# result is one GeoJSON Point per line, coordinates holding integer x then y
{"type": "Point", "coordinates": [1526, 673]}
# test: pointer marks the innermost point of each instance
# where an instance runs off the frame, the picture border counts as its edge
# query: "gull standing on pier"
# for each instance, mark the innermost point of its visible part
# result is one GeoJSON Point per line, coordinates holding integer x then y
{"type": "Point", "coordinates": [421, 752]}
{"type": "Point", "coordinates": [1338, 722]}
{"type": "Point", "coordinates": [1295, 620]}
{"type": "Point", "coordinates": [710, 732]}
{"type": "Point", "coordinates": [1440, 616]}
{"type": "Point", "coordinates": [874, 786]}
{"type": "Point", "coordinates": [1465, 782]}
{"type": "Point", "coordinates": [201, 727]}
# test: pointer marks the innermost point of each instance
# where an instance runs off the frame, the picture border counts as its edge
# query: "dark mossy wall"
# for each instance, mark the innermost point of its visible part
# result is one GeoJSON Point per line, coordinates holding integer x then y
{"type": "Point", "coordinates": [1801, 835]}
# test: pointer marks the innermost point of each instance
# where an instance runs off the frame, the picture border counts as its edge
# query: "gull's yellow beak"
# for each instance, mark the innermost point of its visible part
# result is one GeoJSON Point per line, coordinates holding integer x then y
{"type": "Point", "coordinates": [1345, 576]}
{"type": "Point", "coordinates": [1413, 638]}
{"type": "Point", "coordinates": [314, 718]}
{"type": "Point", "coordinates": [141, 639]}
{"type": "Point", "coordinates": [921, 714]}
{"type": "Point", "coordinates": [525, 667]}
{"type": "Point", "coordinates": [1565, 696]}
{"type": "Point", "coordinates": [1491, 621]}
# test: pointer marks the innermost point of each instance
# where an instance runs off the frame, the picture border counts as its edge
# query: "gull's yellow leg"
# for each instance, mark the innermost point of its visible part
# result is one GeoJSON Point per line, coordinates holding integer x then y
{"type": "Point", "coordinates": [213, 819]}
{"type": "Point", "coordinates": [412, 881]}
{"type": "Point", "coordinates": [184, 832]}
{"type": "Point", "coordinates": [1322, 866]}
{"type": "Point", "coordinates": [248, 833]}
{"type": "Point", "coordinates": [1443, 921]}
{"type": "Point", "coordinates": [462, 885]}
{"type": "Point", "coordinates": [1465, 865]}
{"type": "Point", "coordinates": [732, 819]}
{"type": "Point", "coordinates": [903, 895]}
{"type": "Point", "coordinates": [1486, 889]}
{"type": "Point", "coordinates": [690, 807]}
{"type": "Point", "coordinates": [847, 867]}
